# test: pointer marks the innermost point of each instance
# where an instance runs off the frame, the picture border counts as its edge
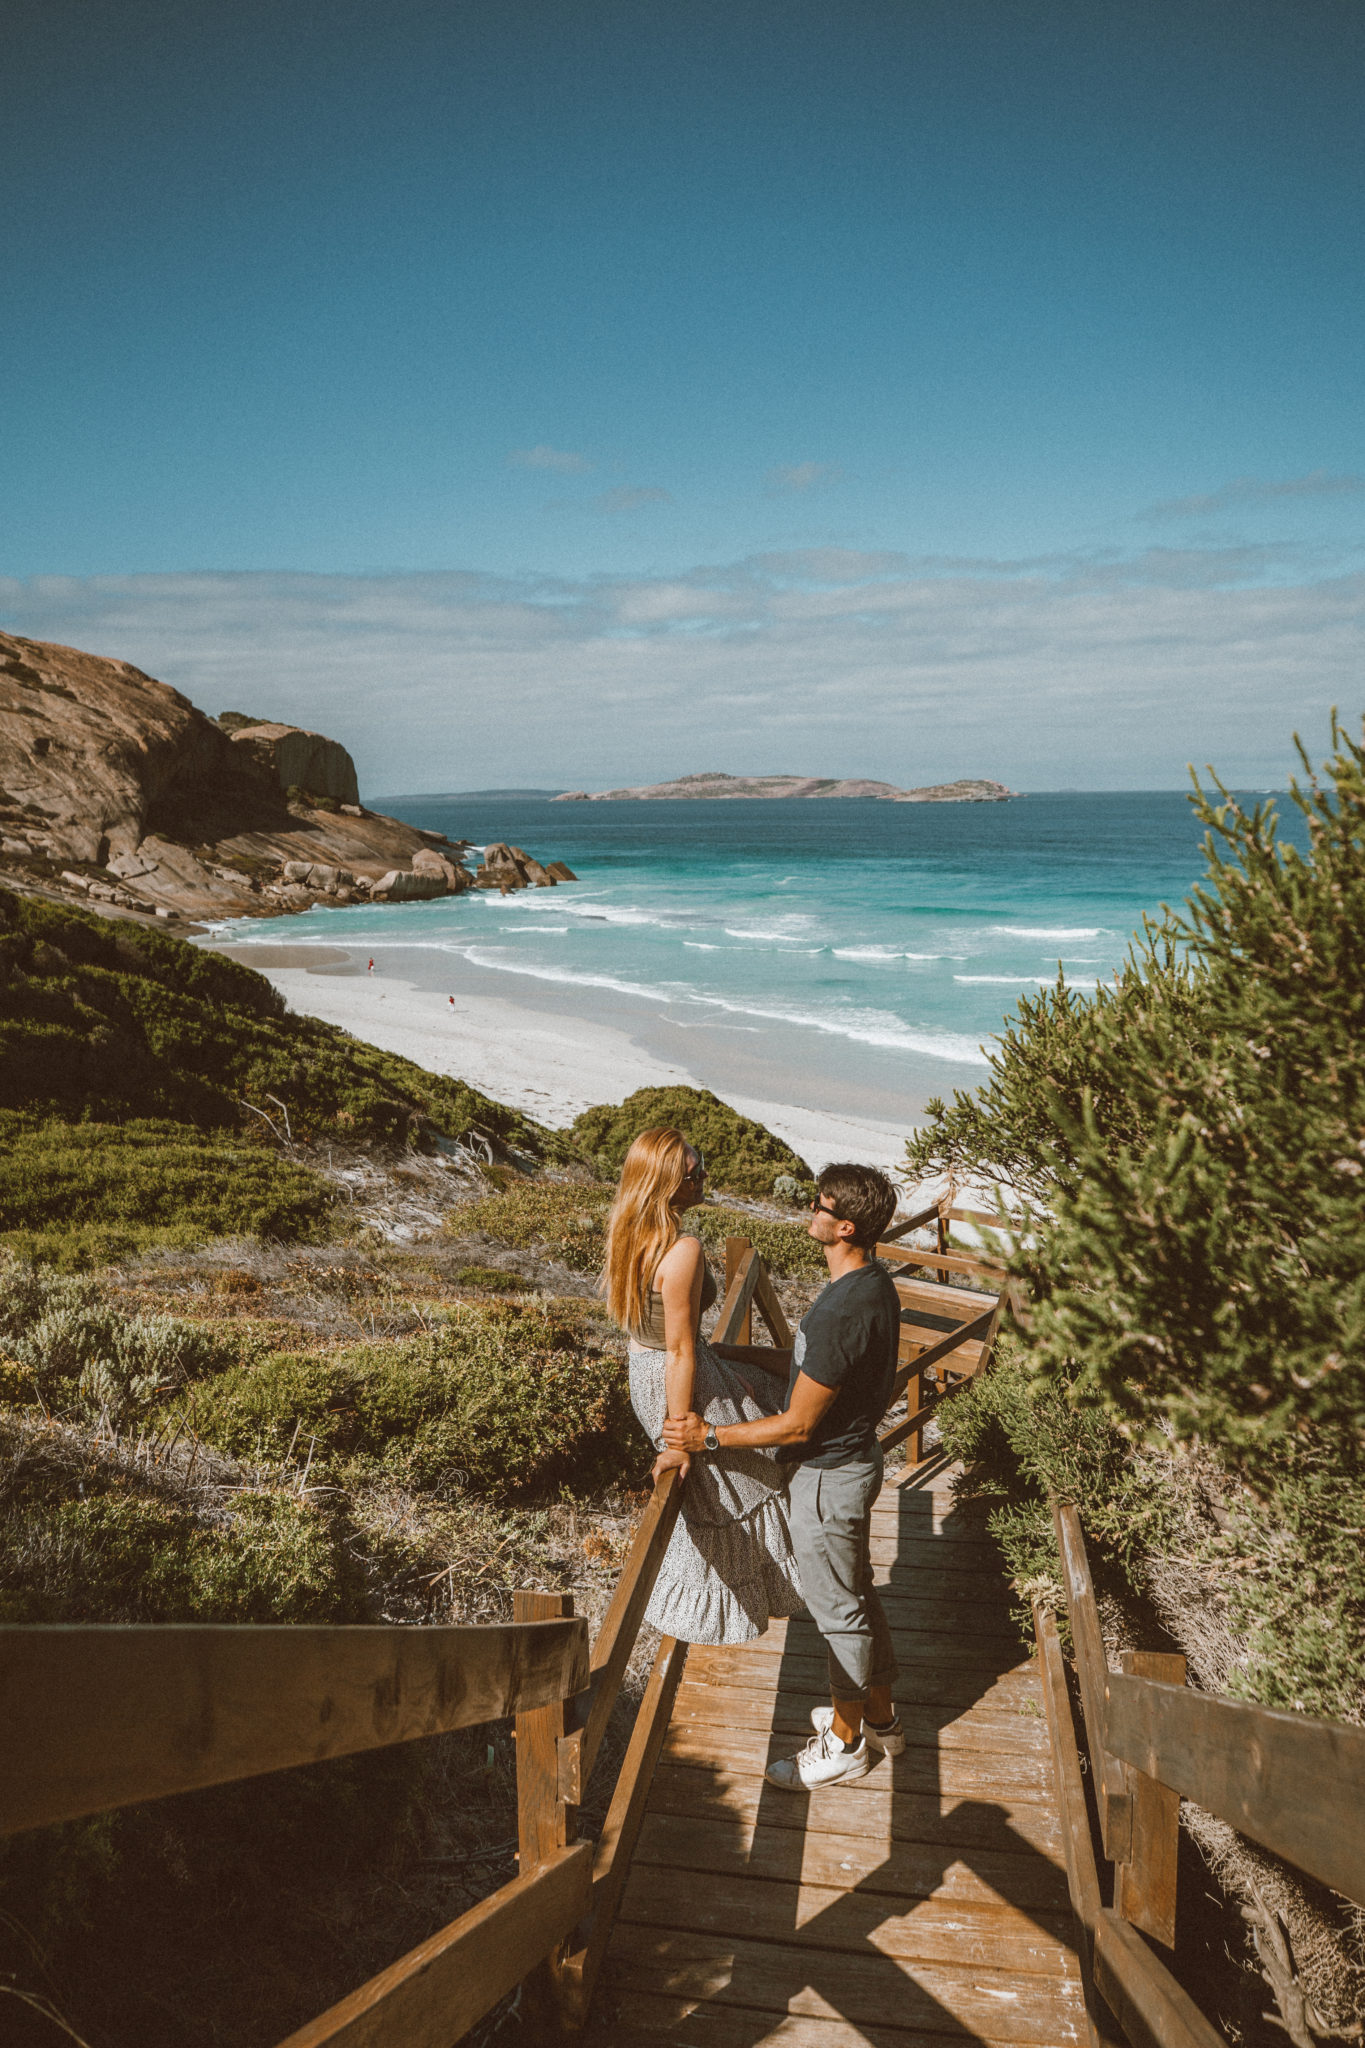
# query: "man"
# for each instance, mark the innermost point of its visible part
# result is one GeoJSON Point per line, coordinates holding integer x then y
{"type": "Point", "coordinates": [843, 1364]}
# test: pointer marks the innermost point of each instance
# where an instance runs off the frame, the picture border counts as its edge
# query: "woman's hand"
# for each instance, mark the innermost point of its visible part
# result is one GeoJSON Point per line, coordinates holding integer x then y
{"type": "Point", "coordinates": [668, 1461]}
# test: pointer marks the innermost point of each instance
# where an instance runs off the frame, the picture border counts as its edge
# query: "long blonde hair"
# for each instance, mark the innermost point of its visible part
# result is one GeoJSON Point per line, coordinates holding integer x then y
{"type": "Point", "coordinates": [642, 1226]}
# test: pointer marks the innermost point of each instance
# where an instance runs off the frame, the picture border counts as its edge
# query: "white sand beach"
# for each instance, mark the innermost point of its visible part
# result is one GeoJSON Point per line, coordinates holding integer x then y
{"type": "Point", "coordinates": [550, 1066]}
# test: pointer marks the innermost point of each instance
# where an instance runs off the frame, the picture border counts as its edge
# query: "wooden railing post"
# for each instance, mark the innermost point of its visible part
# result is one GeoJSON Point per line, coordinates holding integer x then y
{"type": "Point", "coordinates": [545, 1822]}
{"type": "Point", "coordinates": [735, 1250]}
{"type": "Point", "coordinates": [1092, 1668]}
{"type": "Point", "coordinates": [1144, 1886]}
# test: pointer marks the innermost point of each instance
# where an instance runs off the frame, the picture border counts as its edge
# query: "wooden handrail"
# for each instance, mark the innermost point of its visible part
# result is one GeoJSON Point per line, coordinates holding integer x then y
{"type": "Point", "coordinates": [1092, 1671]}
{"type": "Point", "coordinates": [621, 1830]}
{"type": "Point", "coordinates": [738, 1296]}
{"type": "Point", "coordinates": [929, 1214]}
{"type": "Point", "coordinates": [948, 1262]}
{"type": "Point", "coordinates": [436, 1993]}
{"type": "Point", "coordinates": [976, 1331]}
{"type": "Point", "coordinates": [1289, 1781]}
{"type": "Point", "coordinates": [620, 1627]}
{"type": "Point", "coordinates": [102, 1716]}
{"type": "Point", "coordinates": [1151, 2007]}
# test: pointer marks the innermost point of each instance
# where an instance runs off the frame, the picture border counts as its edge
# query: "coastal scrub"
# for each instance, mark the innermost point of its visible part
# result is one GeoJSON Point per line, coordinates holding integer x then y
{"type": "Point", "coordinates": [742, 1157]}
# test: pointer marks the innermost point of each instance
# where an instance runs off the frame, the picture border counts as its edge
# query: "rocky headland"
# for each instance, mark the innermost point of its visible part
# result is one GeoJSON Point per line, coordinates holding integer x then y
{"type": "Point", "coordinates": [117, 791]}
{"type": "Point", "coordinates": [715, 785]}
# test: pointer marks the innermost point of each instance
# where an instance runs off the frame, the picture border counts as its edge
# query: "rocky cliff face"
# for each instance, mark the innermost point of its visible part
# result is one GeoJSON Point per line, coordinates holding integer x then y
{"type": "Point", "coordinates": [115, 788]}
{"type": "Point", "coordinates": [118, 792]}
{"type": "Point", "coordinates": [301, 760]}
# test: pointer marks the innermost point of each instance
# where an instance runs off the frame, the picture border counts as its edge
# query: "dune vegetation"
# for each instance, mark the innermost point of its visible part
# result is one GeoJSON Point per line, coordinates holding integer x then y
{"type": "Point", "coordinates": [236, 1385]}
{"type": "Point", "coordinates": [1192, 1367]}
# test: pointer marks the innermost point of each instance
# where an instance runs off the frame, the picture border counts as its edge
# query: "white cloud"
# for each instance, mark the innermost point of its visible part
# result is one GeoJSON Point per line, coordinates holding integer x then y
{"type": "Point", "coordinates": [800, 476]}
{"type": "Point", "coordinates": [1084, 672]}
{"type": "Point", "coordinates": [542, 456]}
{"type": "Point", "coordinates": [1256, 490]}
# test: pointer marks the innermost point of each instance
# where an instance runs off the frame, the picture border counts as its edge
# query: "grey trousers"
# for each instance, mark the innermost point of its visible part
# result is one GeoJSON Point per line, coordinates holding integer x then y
{"type": "Point", "coordinates": [831, 1528]}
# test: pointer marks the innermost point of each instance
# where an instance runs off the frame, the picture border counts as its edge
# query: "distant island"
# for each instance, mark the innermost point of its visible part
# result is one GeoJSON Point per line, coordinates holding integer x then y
{"type": "Point", "coordinates": [716, 784]}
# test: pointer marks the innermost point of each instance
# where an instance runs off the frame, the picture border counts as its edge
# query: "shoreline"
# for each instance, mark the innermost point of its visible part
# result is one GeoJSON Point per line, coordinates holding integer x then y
{"type": "Point", "coordinates": [550, 1064]}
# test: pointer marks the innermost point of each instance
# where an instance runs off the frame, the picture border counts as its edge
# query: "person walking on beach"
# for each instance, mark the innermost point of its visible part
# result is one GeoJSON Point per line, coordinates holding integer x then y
{"type": "Point", "coordinates": [843, 1366]}
{"type": "Point", "coordinates": [729, 1567]}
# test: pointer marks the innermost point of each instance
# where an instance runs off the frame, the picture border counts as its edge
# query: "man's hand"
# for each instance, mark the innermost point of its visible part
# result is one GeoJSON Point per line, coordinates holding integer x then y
{"type": "Point", "coordinates": [685, 1433]}
{"type": "Point", "coordinates": [666, 1461]}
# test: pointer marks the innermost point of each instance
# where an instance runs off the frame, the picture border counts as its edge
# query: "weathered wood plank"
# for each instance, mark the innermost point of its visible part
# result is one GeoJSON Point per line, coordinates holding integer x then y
{"type": "Point", "coordinates": [734, 1324]}
{"type": "Point", "coordinates": [616, 1847]}
{"type": "Point", "coordinates": [1145, 1886]}
{"type": "Point", "coordinates": [1008, 1696]}
{"type": "Point", "coordinates": [1081, 1875]}
{"type": "Point", "coordinates": [102, 1716]}
{"type": "Point", "coordinates": [962, 1773]}
{"type": "Point", "coordinates": [964, 1665]}
{"type": "Point", "coordinates": [744, 1846]}
{"type": "Point", "coordinates": [938, 1729]}
{"type": "Point", "coordinates": [611, 1652]}
{"type": "Point", "coordinates": [870, 1808]}
{"type": "Point", "coordinates": [640, 2021]}
{"type": "Point", "coordinates": [991, 2006]}
{"type": "Point", "coordinates": [958, 1933]}
{"type": "Point", "coordinates": [1291, 1782]}
{"type": "Point", "coordinates": [1153, 2010]}
{"type": "Point", "coordinates": [1092, 1670]}
{"type": "Point", "coordinates": [436, 1992]}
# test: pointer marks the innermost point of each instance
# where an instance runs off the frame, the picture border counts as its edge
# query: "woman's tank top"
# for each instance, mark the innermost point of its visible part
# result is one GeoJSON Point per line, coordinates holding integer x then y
{"type": "Point", "coordinates": [651, 1336]}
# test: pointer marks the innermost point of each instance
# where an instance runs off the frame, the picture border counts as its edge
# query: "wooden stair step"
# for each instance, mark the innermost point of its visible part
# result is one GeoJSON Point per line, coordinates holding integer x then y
{"type": "Point", "coordinates": [991, 2006]}
{"type": "Point", "coordinates": [956, 1933]}
{"type": "Point", "coordinates": [938, 1729]}
{"type": "Point", "coordinates": [745, 1846]}
{"type": "Point", "coordinates": [872, 1808]}
{"type": "Point", "coordinates": [966, 1774]}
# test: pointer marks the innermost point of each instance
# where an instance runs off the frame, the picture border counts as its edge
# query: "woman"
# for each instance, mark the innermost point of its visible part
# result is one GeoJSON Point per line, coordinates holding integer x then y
{"type": "Point", "coordinates": [729, 1567]}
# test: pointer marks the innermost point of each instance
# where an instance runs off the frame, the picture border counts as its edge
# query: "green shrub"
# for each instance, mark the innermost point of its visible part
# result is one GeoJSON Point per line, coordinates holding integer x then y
{"type": "Point", "coordinates": [787, 1248]}
{"type": "Point", "coordinates": [507, 1398]}
{"type": "Point", "coordinates": [569, 1222]}
{"type": "Point", "coordinates": [103, 1022]}
{"type": "Point", "coordinates": [561, 1218]}
{"type": "Point", "coordinates": [76, 1194]}
{"type": "Point", "coordinates": [741, 1155]}
{"type": "Point", "coordinates": [121, 1555]}
{"type": "Point", "coordinates": [1197, 1276]}
{"type": "Point", "coordinates": [495, 1278]}
{"type": "Point", "coordinates": [1200, 1133]}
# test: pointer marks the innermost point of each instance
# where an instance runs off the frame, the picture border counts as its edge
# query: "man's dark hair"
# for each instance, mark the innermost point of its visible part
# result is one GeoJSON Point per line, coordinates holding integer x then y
{"type": "Point", "coordinates": [861, 1196]}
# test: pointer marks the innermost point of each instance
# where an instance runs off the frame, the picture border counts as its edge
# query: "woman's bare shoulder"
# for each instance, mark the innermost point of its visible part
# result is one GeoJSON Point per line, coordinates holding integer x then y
{"type": "Point", "coordinates": [681, 1260]}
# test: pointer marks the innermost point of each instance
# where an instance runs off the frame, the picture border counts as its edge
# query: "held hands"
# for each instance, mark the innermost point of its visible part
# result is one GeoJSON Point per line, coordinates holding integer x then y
{"type": "Point", "coordinates": [685, 1433]}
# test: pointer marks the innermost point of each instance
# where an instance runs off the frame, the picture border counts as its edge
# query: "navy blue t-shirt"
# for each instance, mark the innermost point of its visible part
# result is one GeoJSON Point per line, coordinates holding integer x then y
{"type": "Point", "coordinates": [848, 1339]}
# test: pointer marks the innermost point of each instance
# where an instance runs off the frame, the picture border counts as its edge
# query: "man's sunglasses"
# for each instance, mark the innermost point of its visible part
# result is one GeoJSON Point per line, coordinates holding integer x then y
{"type": "Point", "coordinates": [821, 1210]}
{"type": "Point", "coordinates": [697, 1172]}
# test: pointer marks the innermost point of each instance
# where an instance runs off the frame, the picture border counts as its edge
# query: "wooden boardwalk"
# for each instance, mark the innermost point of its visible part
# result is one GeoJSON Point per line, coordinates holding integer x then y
{"type": "Point", "coordinates": [927, 1901]}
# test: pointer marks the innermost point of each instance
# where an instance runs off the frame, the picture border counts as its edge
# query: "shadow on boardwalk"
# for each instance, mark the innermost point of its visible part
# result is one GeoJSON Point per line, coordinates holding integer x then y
{"type": "Point", "coordinates": [925, 1901]}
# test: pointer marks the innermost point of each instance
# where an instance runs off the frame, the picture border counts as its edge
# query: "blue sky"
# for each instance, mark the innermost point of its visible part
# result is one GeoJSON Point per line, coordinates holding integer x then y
{"type": "Point", "coordinates": [994, 369]}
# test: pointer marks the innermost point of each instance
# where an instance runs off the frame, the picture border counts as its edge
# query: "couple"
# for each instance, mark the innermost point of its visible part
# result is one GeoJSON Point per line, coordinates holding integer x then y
{"type": "Point", "coordinates": [778, 1449]}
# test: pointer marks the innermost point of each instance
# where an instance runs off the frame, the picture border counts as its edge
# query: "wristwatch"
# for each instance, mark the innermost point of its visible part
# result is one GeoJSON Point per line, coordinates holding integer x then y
{"type": "Point", "coordinates": [712, 1440]}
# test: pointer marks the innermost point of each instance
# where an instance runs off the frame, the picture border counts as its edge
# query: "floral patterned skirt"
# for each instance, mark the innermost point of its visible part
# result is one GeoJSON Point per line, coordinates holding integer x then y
{"type": "Point", "coordinates": [729, 1569]}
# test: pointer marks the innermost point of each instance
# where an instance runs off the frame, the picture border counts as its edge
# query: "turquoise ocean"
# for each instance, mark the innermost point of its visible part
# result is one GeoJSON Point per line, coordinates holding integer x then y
{"type": "Point", "coordinates": [842, 955]}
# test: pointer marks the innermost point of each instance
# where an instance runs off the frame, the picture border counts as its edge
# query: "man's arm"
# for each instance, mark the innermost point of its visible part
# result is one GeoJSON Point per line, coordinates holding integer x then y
{"type": "Point", "coordinates": [795, 1425]}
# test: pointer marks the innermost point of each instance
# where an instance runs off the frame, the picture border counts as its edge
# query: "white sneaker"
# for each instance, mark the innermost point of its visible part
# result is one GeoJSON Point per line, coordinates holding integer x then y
{"type": "Point", "coordinates": [885, 1741]}
{"type": "Point", "coordinates": [823, 1761]}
